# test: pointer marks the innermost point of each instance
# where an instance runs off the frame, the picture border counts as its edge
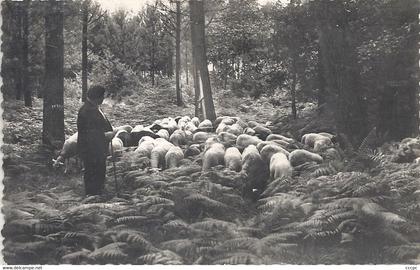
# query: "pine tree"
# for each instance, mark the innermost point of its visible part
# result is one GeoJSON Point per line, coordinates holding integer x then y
{"type": "Point", "coordinates": [53, 107]}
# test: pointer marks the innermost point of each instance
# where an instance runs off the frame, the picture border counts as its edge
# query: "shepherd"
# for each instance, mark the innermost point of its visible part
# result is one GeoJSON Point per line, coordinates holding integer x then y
{"type": "Point", "coordinates": [95, 132]}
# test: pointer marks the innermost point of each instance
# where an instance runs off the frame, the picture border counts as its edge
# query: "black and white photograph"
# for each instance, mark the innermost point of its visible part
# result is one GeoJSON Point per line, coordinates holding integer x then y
{"type": "Point", "coordinates": [210, 132]}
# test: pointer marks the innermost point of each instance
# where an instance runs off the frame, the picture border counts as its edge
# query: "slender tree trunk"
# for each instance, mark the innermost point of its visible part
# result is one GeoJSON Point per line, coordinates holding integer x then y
{"type": "Point", "coordinates": [293, 90]}
{"type": "Point", "coordinates": [84, 50]}
{"type": "Point", "coordinates": [39, 87]}
{"type": "Point", "coordinates": [197, 90]}
{"type": "Point", "coordinates": [152, 63]}
{"type": "Point", "coordinates": [170, 66]}
{"type": "Point", "coordinates": [25, 51]}
{"type": "Point", "coordinates": [186, 64]}
{"type": "Point", "coordinates": [152, 54]}
{"type": "Point", "coordinates": [18, 52]}
{"type": "Point", "coordinates": [225, 76]}
{"type": "Point", "coordinates": [321, 95]}
{"type": "Point", "coordinates": [199, 46]}
{"type": "Point", "coordinates": [53, 109]}
{"type": "Point", "coordinates": [178, 54]}
{"type": "Point", "coordinates": [195, 69]}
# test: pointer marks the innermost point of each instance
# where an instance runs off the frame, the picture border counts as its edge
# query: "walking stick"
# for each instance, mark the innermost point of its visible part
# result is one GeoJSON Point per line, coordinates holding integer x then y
{"type": "Point", "coordinates": [115, 173]}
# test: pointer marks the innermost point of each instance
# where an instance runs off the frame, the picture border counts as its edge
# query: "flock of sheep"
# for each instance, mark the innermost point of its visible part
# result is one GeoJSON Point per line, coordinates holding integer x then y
{"type": "Point", "coordinates": [228, 141]}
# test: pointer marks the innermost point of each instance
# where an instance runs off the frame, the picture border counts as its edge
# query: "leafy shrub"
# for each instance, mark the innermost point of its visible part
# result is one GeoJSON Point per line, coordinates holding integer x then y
{"type": "Point", "coordinates": [254, 84]}
{"type": "Point", "coordinates": [73, 87]}
{"type": "Point", "coordinates": [114, 75]}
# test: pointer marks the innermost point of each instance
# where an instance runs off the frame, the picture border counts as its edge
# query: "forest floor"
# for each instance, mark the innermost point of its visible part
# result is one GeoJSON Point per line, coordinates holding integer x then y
{"type": "Point", "coordinates": [329, 213]}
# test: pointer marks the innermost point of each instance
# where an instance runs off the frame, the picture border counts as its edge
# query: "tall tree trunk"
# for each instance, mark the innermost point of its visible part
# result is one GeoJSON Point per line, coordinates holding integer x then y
{"type": "Point", "coordinates": [199, 46]}
{"type": "Point", "coordinates": [152, 63]}
{"type": "Point", "coordinates": [226, 69]}
{"type": "Point", "coordinates": [85, 15]}
{"type": "Point", "coordinates": [25, 51]}
{"type": "Point", "coordinates": [197, 90]}
{"type": "Point", "coordinates": [170, 66]}
{"type": "Point", "coordinates": [152, 52]}
{"type": "Point", "coordinates": [53, 108]}
{"type": "Point", "coordinates": [18, 52]}
{"type": "Point", "coordinates": [186, 64]}
{"type": "Point", "coordinates": [321, 95]}
{"type": "Point", "coordinates": [39, 87]}
{"type": "Point", "coordinates": [293, 90]}
{"type": "Point", "coordinates": [178, 54]}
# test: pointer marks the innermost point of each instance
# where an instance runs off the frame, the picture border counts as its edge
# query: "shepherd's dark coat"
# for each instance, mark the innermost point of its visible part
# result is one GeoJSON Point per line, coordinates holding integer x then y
{"type": "Point", "coordinates": [92, 146]}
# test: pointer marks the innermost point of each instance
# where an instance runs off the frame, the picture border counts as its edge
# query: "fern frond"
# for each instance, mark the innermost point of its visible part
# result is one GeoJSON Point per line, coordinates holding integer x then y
{"type": "Point", "coordinates": [49, 238]}
{"type": "Point", "coordinates": [48, 199]}
{"type": "Point", "coordinates": [210, 224]}
{"type": "Point", "coordinates": [180, 183]}
{"type": "Point", "coordinates": [211, 187]}
{"type": "Point", "coordinates": [365, 190]}
{"type": "Point", "coordinates": [240, 258]}
{"type": "Point", "coordinates": [250, 231]}
{"type": "Point", "coordinates": [374, 209]}
{"type": "Point", "coordinates": [391, 218]}
{"type": "Point", "coordinates": [238, 243]}
{"type": "Point", "coordinates": [205, 242]}
{"type": "Point", "coordinates": [349, 180]}
{"type": "Point", "coordinates": [143, 181]}
{"type": "Point", "coordinates": [37, 247]}
{"type": "Point", "coordinates": [19, 226]}
{"type": "Point", "coordinates": [113, 252]}
{"type": "Point", "coordinates": [312, 223]}
{"type": "Point", "coordinates": [355, 203]}
{"type": "Point", "coordinates": [404, 252]}
{"type": "Point", "coordinates": [200, 260]}
{"type": "Point", "coordinates": [378, 157]}
{"type": "Point", "coordinates": [165, 193]}
{"type": "Point", "coordinates": [205, 250]}
{"type": "Point", "coordinates": [117, 206]}
{"type": "Point", "coordinates": [158, 184]}
{"type": "Point", "coordinates": [347, 224]}
{"type": "Point", "coordinates": [324, 169]}
{"type": "Point", "coordinates": [322, 235]}
{"type": "Point", "coordinates": [368, 142]}
{"type": "Point", "coordinates": [135, 211]}
{"type": "Point", "coordinates": [130, 219]}
{"type": "Point", "coordinates": [338, 217]}
{"type": "Point", "coordinates": [133, 237]}
{"type": "Point", "coordinates": [158, 200]}
{"type": "Point", "coordinates": [11, 212]}
{"type": "Point", "coordinates": [161, 257]}
{"type": "Point", "coordinates": [279, 200]}
{"type": "Point", "coordinates": [45, 228]}
{"type": "Point", "coordinates": [175, 224]}
{"type": "Point", "coordinates": [279, 184]}
{"type": "Point", "coordinates": [206, 201]}
{"type": "Point", "coordinates": [306, 167]}
{"type": "Point", "coordinates": [184, 171]}
{"type": "Point", "coordinates": [282, 248]}
{"type": "Point", "coordinates": [181, 246]}
{"type": "Point", "coordinates": [77, 237]}
{"type": "Point", "coordinates": [146, 191]}
{"type": "Point", "coordinates": [76, 257]}
{"type": "Point", "coordinates": [275, 238]}
{"type": "Point", "coordinates": [158, 210]}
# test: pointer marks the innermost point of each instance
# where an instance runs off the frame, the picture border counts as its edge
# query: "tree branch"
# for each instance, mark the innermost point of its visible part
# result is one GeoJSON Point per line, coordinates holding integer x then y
{"type": "Point", "coordinates": [100, 16]}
